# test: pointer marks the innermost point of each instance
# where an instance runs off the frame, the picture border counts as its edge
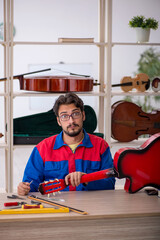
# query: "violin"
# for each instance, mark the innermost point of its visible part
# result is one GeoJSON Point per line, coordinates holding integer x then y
{"type": "Point", "coordinates": [141, 82]}
{"type": "Point", "coordinates": [156, 84]}
{"type": "Point", "coordinates": [74, 83]}
{"type": "Point", "coordinates": [140, 167]}
{"type": "Point", "coordinates": [129, 121]}
{"type": "Point", "coordinates": [1, 135]}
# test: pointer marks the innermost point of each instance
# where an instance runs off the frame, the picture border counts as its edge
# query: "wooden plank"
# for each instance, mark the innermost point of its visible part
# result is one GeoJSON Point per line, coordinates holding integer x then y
{"type": "Point", "coordinates": [102, 229]}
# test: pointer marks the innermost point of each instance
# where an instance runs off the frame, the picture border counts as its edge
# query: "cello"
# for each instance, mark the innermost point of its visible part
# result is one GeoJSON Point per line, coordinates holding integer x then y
{"type": "Point", "coordinates": [140, 166]}
{"type": "Point", "coordinates": [129, 121]}
{"type": "Point", "coordinates": [69, 83]}
{"type": "Point", "coordinates": [58, 84]}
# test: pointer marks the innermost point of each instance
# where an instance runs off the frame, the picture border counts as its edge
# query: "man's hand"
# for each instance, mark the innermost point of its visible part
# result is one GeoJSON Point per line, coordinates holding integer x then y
{"type": "Point", "coordinates": [74, 178]}
{"type": "Point", "coordinates": [23, 188]}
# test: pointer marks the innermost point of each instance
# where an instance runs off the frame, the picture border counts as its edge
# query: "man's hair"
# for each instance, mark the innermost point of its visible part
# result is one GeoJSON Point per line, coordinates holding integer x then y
{"type": "Point", "coordinates": [66, 99]}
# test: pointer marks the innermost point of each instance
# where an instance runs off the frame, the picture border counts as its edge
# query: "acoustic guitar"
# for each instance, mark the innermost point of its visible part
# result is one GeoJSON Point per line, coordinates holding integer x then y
{"type": "Point", "coordinates": [140, 166]}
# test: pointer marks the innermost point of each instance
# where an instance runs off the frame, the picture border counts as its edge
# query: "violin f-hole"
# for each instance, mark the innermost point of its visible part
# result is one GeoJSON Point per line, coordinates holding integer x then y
{"type": "Point", "coordinates": [139, 114]}
{"type": "Point", "coordinates": [141, 130]}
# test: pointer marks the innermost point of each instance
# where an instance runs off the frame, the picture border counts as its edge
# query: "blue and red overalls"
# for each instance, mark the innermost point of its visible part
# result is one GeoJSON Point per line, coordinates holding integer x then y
{"type": "Point", "coordinates": [52, 158]}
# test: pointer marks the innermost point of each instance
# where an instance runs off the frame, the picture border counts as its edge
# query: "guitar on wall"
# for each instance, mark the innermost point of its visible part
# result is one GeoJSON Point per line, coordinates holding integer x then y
{"type": "Point", "coordinates": [140, 166]}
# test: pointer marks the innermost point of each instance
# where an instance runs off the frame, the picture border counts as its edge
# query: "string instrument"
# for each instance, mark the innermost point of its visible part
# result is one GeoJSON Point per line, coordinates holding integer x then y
{"type": "Point", "coordinates": [141, 82]}
{"type": "Point", "coordinates": [59, 84]}
{"type": "Point", "coordinates": [156, 84]}
{"type": "Point", "coordinates": [1, 135]}
{"type": "Point", "coordinates": [74, 83]}
{"type": "Point", "coordinates": [140, 167]}
{"type": "Point", "coordinates": [129, 121]}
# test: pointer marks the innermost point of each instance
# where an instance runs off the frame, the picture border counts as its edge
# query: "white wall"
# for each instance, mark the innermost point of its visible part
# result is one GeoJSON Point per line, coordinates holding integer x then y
{"type": "Point", "coordinates": [48, 20]}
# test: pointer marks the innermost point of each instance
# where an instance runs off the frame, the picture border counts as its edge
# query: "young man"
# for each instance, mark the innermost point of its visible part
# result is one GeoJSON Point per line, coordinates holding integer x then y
{"type": "Point", "coordinates": [69, 154]}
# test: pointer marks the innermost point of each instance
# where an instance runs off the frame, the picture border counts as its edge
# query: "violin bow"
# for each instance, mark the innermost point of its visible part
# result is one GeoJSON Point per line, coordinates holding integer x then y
{"type": "Point", "coordinates": [74, 74]}
{"type": "Point", "coordinates": [20, 75]}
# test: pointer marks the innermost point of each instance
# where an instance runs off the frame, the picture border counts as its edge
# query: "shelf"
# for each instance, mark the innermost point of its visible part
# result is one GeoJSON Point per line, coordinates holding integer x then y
{"type": "Point", "coordinates": [3, 145]}
{"type": "Point", "coordinates": [135, 44]}
{"type": "Point", "coordinates": [3, 94]}
{"type": "Point", "coordinates": [81, 43]}
{"type": "Point", "coordinates": [135, 143]}
{"type": "Point", "coordinates": [118, 93]}
{"type": "Point", "coordinates": [47, 94]}
{"type": "Point", "coordinates": [58, 43]}
{"type": "Point", "coordinates": [101, 94]}
{"type": "Point", "coordinates": [24, 146]}
{"type": "Point", "coordinates": [3, 43]}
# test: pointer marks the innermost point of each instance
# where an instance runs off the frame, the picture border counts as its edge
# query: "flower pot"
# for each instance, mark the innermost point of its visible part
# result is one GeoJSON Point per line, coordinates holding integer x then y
{"type": "Point", "coordinates": [142, 34]}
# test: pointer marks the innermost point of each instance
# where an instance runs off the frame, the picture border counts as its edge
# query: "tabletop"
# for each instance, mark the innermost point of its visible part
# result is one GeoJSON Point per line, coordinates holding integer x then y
{"type": "Point", "coordinates": [98, 204]}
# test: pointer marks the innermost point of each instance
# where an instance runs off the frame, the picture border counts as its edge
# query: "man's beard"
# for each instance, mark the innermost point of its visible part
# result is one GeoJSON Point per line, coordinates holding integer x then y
{"type": "Point", "coordinates": [74, 133]}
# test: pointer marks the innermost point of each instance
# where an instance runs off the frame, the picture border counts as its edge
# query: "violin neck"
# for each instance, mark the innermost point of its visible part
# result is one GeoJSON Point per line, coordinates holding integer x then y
{"type": "Point", "coordinates": [122, 84]}
{"type": "Point", "coordinates": [129, 84]}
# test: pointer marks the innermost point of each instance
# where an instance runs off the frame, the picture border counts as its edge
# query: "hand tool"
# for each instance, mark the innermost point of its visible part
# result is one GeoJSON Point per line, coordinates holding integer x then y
{"type": "Point", "coordinates": [35, 202]}
{"type": "Point", "coordinates": [34, 210]}
{"type": "Point", "coordinates": [33, 197]}
{"type": "Point", "coordinates": [10, 204]}
{"type": "Point", "coordinates": [28, 206]}
{"type": "Point", "coordinates": [25, 206]}
{"type": "Point", "coordinates": [15, 197]}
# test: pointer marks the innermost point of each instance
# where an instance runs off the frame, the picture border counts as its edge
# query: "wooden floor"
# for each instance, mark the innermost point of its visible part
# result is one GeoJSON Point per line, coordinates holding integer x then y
{"type": "Point", "coordinates": [111, 215]}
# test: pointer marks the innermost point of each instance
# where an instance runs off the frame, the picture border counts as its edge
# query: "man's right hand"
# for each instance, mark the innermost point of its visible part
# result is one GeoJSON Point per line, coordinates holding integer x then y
{"type": "Point", "coordinates": [74, 178]}
{"type": "Point", "coordinates": [23, 188]}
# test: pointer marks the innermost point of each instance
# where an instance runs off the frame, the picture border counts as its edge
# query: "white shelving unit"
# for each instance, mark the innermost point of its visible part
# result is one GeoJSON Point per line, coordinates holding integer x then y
{"type": "Point", "coordinates": [105, 76]}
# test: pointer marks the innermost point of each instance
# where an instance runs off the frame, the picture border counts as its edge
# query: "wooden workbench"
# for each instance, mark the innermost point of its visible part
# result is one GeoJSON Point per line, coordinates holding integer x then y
{"type": "Point", "coordinates": [111, 215]}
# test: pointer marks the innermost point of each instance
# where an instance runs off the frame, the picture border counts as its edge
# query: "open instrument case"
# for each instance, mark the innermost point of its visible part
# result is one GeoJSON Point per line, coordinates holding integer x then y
{"type": "Point", "coordinates": [34, 128]}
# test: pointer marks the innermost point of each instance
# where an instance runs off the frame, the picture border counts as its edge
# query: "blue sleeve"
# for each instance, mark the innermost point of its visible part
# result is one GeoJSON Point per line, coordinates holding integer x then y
{"type": "Point", "coordinates": [107, 183]}
{"type": "Point", "coordinates": [34, 170]}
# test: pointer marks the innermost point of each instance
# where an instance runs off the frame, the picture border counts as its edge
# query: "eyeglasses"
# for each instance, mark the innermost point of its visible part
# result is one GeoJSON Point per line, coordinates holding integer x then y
{"type": "Point", "coordinates": [66, 117]}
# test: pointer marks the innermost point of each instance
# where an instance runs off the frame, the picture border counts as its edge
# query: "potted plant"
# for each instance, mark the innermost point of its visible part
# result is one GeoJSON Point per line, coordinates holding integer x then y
{"type": "Point", "coordinates": [143, 26]}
